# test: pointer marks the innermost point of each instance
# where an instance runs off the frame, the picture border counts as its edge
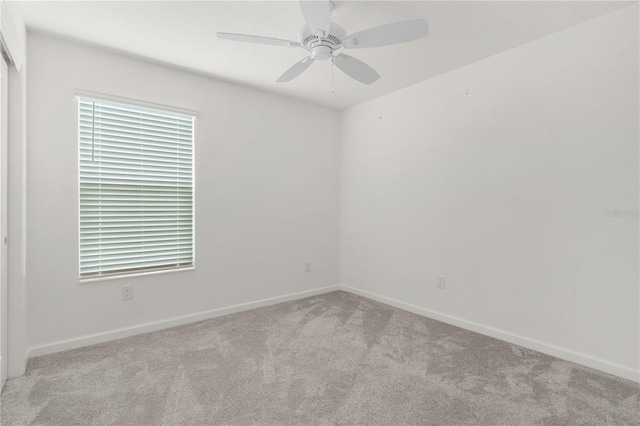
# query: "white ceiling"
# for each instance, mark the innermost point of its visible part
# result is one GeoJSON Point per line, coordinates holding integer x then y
{"type": "Point", "coordinates": [183, 34]}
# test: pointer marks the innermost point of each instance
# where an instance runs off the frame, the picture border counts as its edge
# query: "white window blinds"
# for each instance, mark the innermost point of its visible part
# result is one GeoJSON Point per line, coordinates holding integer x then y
{"type": "Point", "coordinates": [136, 189]}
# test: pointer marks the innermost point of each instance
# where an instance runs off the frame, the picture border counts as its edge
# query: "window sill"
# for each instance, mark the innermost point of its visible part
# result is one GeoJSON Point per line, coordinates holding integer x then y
{"type": "Point", "coordinates": [135, 274]}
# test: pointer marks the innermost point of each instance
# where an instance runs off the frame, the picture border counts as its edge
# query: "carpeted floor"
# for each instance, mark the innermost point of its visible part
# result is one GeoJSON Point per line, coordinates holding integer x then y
{"type": "Point", "coordinates": [330, 359]}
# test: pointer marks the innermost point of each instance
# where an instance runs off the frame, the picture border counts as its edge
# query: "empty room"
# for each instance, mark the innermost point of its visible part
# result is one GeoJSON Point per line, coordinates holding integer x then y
{"type": "Point", "coordinates": [320, 212]}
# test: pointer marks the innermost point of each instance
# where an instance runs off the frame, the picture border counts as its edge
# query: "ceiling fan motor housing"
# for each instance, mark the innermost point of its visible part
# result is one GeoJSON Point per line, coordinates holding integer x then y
{"type": "Point", "coordinates": [322, 46]}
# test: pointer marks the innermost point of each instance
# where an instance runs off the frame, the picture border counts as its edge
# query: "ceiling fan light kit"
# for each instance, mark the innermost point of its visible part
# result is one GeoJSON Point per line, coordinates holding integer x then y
{"type": "Point", "coordinates": [322, 38]}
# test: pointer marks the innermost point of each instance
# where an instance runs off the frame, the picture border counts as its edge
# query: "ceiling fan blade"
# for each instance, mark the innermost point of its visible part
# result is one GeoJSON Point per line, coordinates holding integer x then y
{"type": "Point", "coordinates": [297, 69]}
{"type": "Point", "coordinates": [388, 34]}
{"type": "Point", "coordinates": [355, 68]}
{"type": "Point", "coordinates": [317, 14]}
{"type": "Point", "coordinates": [258, 39]}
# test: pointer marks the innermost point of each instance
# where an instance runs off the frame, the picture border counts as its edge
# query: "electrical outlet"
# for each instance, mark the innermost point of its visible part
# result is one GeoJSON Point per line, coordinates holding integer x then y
{"type": "Point", "coordinates": [127, 292]}
{"type": "Point", "coordinates": [441, 282]}
{"type": "Point", "coordinates": [307, 266]}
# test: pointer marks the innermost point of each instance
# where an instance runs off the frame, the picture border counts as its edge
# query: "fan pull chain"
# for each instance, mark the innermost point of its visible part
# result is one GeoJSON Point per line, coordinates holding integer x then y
{"type": "Point", "coordinates": [332, 66]}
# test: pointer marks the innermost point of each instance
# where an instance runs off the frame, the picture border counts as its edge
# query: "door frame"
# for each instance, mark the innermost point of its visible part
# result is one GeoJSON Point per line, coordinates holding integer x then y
{"type": "Point", "coordinates": [4, 323]}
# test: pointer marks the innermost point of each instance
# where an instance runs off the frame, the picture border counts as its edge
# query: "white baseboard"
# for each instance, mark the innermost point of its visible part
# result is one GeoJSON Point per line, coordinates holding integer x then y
{"type": "Point", "coordinates": [92, 339]}
{"type": "Point", "coordinates": [2, 378]}
{"type": "Point", "coordinates": [545, 348]}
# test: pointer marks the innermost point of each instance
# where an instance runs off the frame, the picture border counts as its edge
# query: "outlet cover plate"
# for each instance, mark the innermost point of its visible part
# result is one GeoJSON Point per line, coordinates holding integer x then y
{"type": "Point", "coordinates": [127, 292]}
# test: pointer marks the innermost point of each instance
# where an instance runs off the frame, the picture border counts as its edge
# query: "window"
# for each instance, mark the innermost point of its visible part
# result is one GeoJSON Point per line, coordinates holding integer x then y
{"type": "Point", "coordinates": [136, 189]}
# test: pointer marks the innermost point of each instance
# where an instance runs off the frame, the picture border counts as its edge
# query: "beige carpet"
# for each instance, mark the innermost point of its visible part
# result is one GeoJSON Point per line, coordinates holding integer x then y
{"type": "Point", "coordinates": [330, 359]}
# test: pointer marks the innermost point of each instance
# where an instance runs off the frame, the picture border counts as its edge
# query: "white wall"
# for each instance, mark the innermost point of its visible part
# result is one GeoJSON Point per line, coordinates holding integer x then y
{"type": "Point", "coordinates": [266, 195]}
{"type": "Point", "coordinates": [503, 191]}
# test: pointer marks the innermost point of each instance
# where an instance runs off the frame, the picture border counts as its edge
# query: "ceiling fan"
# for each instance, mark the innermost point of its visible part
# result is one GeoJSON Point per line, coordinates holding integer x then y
{"type": "Point", "coordinates": [322, 38]}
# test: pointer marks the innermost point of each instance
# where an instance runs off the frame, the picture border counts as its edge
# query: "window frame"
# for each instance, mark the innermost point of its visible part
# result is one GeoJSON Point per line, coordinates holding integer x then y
{"type": "Point", "coordinates": [127, 102]}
